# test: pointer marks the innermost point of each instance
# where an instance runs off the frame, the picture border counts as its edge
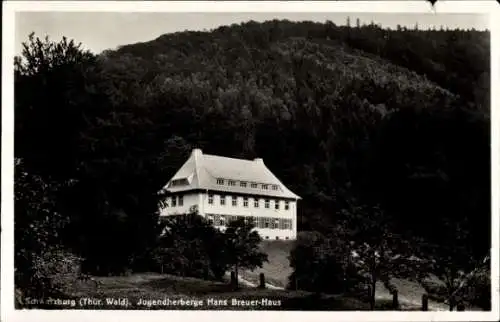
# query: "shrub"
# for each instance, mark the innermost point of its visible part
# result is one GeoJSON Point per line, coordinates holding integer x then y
{"type": "Point", "coordinates": [54, 272]}
{"type": "Point", "coordinates": [479, 291]}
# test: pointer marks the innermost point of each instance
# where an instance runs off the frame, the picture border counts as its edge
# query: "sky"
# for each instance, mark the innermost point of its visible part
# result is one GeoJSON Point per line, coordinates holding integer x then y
{"type": "Point", "coordinates": [98, 31]}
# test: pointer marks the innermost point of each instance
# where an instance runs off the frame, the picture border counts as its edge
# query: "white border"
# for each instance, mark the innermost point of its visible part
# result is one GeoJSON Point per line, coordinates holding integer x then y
{"type": "Point", "coordinates": [7, 290]}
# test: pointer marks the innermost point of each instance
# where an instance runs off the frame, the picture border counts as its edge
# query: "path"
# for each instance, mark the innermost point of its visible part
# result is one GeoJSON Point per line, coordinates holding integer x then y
{"type": "Point", "coordinates": [250, 284]}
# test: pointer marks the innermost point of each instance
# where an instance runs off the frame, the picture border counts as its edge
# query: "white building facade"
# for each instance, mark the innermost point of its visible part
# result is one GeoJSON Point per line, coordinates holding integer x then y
{"type": "Point", "coordinates": [223, 189]}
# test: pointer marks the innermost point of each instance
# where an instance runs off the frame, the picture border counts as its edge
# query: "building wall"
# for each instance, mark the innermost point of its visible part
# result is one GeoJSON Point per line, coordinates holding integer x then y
{"type": "Point", "coordinates": [201, 200]}
{"type": "Point", "coordinates": [189, 200]}
{"type": "Point", "coordinates": [261, 211]}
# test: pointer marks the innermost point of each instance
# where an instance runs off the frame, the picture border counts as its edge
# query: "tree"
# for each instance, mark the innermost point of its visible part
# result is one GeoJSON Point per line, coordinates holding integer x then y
{"type": "Point", "coordinates": [190, 246]}
{"type": "Point", "coordinates": [376, 251]}
{"type": "Point", "coordinates": [463, 272]}
{"type": "Point", "coordinates": [242, 246]}
{"type": "Point", "coordinates": [55, 93]}
{"type": "Point", "coordinates": [319, 264]}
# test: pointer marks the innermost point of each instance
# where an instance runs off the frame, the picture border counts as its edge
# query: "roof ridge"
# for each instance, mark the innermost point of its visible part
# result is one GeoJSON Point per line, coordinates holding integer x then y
{"type": "Point", "coordinates": [232, 158]}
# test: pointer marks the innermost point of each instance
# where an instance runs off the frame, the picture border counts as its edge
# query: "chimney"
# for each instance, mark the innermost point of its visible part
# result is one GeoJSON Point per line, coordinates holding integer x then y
{"type": "Point", "coordinates": [259, 160]}
{"type": "Point", "coordinates": [197, 153]}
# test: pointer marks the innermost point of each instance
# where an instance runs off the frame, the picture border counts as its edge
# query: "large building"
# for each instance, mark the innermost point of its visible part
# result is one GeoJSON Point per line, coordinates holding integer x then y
{"type": "Point", "coordinates": [222, 189]}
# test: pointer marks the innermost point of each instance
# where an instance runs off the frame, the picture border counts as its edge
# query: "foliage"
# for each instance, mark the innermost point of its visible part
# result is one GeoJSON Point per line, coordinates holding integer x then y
{"type": "Point", "coordinates": [319, 264]}
{"type": "Point", "coordinates": [377, 253]}
{"type": "Point", "coordinates": [479, 289]}
{"type": "Point", "coordinates": [190, 246]}
{"type": "Point", "coordinates": [62, 93]}
{"type": "Point", "coordinates": [464, 282]}
{"type": "Point", "coordinates": [37, 229]}
{"type": "Point", "coordinates": [53, 272]}
{"type": "Point", "coordinates": [396, 118]}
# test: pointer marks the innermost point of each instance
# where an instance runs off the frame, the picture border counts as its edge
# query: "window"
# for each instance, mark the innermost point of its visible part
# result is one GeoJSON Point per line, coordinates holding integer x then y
{"type": "Point", "coordinates": [210, 219]}
{"type": "Point", "coordinates": [260, 222]}
{"type": "Point", "coordinates": [277, 238]}
{"type": "Point", "coordinates": [220, 181]}
{"type": "Point", "coordinates": [283, 224]}
{"type": "Point", "coordinates": [174, 201]}
{"type": "Point", "coordinates": [167, 202]}
{"type": "Point", "coordinates": [267, 237]}
{"type": "Point", "coordinates": [264, 186]}
{"type": "Point", "coordinates": [179, 182]}
{"type": "Point", "coordinates": [231, 183]}
{"type": "Point", "coordinates": [222, 200]}
{"type": "Point", "coordinates": [210, 199]}
{"type": "Point", "coordinates": [287, 205]}
{"type": "Point", "coordinates": [253, 185]}
{"type": "Point", "coordinates": [266, 203]}
{"type": "Point", "coordinates": [243, 184]}
{"type": "Point", "coordinates": [234, 201]}
{"type": "Point", "coordinates": [277, 204]}
{"type": "Point", "coordinates": [286, 238]}
{"type": "Point", "coordinates": [181, 201]}
{"type": "Point", "coordinates": [245, 202]}
{"type": "Point", "coordinates": [256, 203]}
{"type": "Point", "coordinates": [275, 187]}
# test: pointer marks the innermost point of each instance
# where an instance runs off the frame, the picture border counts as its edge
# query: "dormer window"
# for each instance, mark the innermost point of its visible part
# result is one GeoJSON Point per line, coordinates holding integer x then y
{"type": "Point", "coordinates": [231, 183]}
{"type": "Point", "coordinates": [243, 184]}
{"type": "Point", "coordinates": [253, 185]}
{"type": "Point", "coordinates": [220, 181]}
{"type": "Point", "coordinates": [264, 186]}
{"type": "Point", "coordinates": [178, 182]}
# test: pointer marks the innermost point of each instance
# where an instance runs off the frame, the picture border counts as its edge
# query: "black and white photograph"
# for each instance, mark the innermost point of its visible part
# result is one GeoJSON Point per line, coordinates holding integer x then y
{"type": "Point", "coordinates": [221, 156]}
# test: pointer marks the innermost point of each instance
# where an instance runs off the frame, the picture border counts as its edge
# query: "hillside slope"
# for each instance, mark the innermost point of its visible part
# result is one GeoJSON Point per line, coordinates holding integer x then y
{"type": "Point", "coordinates": [333, 111]}
{"type": "Point", "coordinates": [383, 133]}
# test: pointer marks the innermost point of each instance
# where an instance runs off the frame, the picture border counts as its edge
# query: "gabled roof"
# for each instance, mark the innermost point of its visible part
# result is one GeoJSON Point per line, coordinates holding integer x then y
{"type": "Point", "coordinates": [201, 171]}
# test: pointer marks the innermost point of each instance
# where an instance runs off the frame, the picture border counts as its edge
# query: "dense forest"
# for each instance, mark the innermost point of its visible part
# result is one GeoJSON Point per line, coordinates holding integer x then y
{"type": "Point", "coordinates": [381, 132]}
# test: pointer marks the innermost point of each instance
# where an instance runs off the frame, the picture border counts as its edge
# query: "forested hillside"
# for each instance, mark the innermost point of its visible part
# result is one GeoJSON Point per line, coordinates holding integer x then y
{"type": "Point", "coordinates": [361, 122]}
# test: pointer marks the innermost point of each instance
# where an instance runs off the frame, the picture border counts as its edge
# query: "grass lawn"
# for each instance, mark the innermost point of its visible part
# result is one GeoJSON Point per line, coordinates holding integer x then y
{"type": "Point", "coordinates": [207, 295]}
{"type": "Point", "coordinates": [278, 269]}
